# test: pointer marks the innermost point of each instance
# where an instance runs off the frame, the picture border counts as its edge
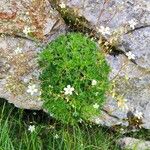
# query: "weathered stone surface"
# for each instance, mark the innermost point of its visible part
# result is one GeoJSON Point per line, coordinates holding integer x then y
{"type": "Point", "coordinates": [33, 19]}
{"type": "Point", "coordinates": [16, 68]}
{"type": "Point", "coordinates": [132, 143]}
{"type": "Point", "coordinates": [131, 79]}
{"type": "Point", "coordinates": [112, 13]}
{"type": "Point", "coordinates": [139, 43]}
{"type": "Point", "coordinates": [26, 27]}
{"type": "Point", "coordinates": [132, 83]}
{"type": "Point", "coordinates": [129, 23]}
{"type": "Point", "coordinates": [117, 16]}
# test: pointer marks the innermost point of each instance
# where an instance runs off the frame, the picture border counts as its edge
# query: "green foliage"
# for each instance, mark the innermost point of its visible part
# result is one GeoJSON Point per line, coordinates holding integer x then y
{"type": "Point", "coordinates": [14, 133]}
{"type": "Point", "coordinates": [73, 60]}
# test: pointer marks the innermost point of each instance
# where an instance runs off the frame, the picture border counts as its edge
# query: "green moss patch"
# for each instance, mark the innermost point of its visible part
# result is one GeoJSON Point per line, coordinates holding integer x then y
{"type": "Point", "coordinates": [74, 78]}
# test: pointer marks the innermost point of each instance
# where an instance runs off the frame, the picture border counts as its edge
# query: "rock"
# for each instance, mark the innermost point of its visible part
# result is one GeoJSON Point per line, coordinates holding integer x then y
{"type": "Point", "coordinates": [26, 27]}
{"type": "Point", "coordinates": [32, 19]}
{"type": "Point", "coordinates": [128, 20]}
{"type": "Point", "coordinates": [126, 25]}
{"type": "Point", "coordinates": [138, 42]}
{"type": "Point", "coordinates": [132, 83]}
{"type": "Point", "coordinates": [18, 70]}
{"type": "Point", "coordinates": [28, 24]}
{"type": "Point", "coordinates": [132, 143]}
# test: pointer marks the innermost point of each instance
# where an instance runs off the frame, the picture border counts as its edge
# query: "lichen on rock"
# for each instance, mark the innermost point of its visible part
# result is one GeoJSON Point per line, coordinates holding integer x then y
{"type": "Point", "coordinates": [25, 27]}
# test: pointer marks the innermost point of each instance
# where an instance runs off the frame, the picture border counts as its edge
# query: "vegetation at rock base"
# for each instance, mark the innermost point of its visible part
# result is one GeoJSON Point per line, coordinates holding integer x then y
{"type": "Point", "coordinates": [74, 78]}
{"type": "Point", "coordinates": [48, 134]}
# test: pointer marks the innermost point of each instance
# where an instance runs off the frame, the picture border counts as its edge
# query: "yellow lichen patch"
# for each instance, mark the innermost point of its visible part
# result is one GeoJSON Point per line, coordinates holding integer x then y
{"type": "Point", "coordinates": [17, 64]}
{"type": "Point", "coordinates": [15, 85]}
{"type": "Point", "coordinates": [21, 63]}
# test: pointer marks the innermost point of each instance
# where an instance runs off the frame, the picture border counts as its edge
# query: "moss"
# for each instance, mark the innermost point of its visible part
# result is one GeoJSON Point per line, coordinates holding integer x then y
{"type": "Point", "coordinates": [73, 60]}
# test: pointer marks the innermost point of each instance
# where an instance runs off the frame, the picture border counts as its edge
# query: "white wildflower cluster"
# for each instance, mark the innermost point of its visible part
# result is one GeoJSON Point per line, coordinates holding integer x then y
{"type": "Point", "coordinates": [94, 82]}
{"type": "Point", "coordinates": [96, 106]}
{"type": "Point", "coordinates": [130, 55]}
{"type": "Point", "coordinates": [62, 5]}
{"type": "Point", "coordinates": [27, 79]}
{"type": "Point", "coordinates": [31, 128]}
{"type": "Point", "coordinates": [97, 120]}
{"type": "Point", "coordinates": [104, 30]}
{"type": "Point", "coordinates": [138, 114]}
{"type": "Point", "coordinates": [26, 30]}
{"type": "Point", "coordinates": [18, 50]}
{"type": "Point", "coordinates": [32, 89]}
{"type": "Point", "coordinates": [133, 23]}
{"type": "Point", "coordinates": [80, 120]}
{"type": "Point", "coordinates": [56, 136]}
{"type": "Point", "coordinates": [68, 90]}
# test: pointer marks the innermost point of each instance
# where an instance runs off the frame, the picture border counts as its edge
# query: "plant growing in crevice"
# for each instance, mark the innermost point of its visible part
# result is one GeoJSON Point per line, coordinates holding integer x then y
{"type": "Point", "coordinates": [74, 78]}
{"type": "Point", "coordinates": [76, 22]}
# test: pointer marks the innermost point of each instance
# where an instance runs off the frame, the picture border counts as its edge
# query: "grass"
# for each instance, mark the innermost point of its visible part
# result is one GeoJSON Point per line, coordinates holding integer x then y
{"type": "Point", "coordinates": [49, 134]}
{"type": "Point", "coordinates": [143, 134]}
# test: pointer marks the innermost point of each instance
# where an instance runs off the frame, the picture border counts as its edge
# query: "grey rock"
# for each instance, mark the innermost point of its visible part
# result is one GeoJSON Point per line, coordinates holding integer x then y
{"type": "Point", "coordinates": [135, 89]}
{"type": "Point", "coordinates": [117, 14]}
{"type": "Point", "coordinates": [138, 42]}
{"type": "Point", "coordinates": [15, 16]}
{"type": "Point", "coordinates": [39, 17]}
{"type": "Point", "coordinates": [16, 67]}
{"type": "Point", "coordinates": [132, 143]}
{"type": "Point", "coordinates": [18, 51]}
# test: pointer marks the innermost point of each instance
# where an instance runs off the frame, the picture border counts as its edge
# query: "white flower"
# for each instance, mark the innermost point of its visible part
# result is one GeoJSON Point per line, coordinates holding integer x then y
{"type": "Point", "coordinates": [130, 55]}
{"type": "Point", "coordinates": [94, 82]}
{"type": "Point", "coordinates": [18, 50]}
{"type": "Point", "coordinates": [96, 106]}
{"type": "Point", "coordinates": [97, 121]}
{"type": "Point", "coordinates": [32, 89]}
{"type": "Point", "coordinates": [133, 23]}
{"type": "Point", "coordinates": [62, 5]}
{"type": "Point", "coordinates": [68, 90]}
{"type": "Point", "coordinates": [104, 30]}
{"type": "Point", "coordinates": [80, 120]}
{"type": "Point", "coordinates": [31, 128]}
{"type": "Point", "coordinates": [51, 114]}
{"type": "Point", "coordinates": [26, 30]}
{"type": "Point", "coordinates": [34, 113]}
{"type": "Point", "coordinates": [138, 114]}
{"type": "Point", "coordinates": [56, 136]}
{"type": "Point", "coordinates": [96, 94]}
{"type": "Point", "coordinates": [26, 80]}
{"type": "Point", "coordinates": [75, 114]}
